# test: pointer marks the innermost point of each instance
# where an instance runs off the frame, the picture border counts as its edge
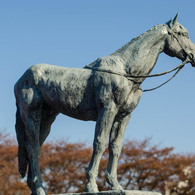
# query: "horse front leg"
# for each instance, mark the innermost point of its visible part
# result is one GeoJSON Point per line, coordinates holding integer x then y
{"type": "Point", "coordinates": [103, 126]}
{"type": "Point", "coordinates": [32, 129]}
{"type": "Point", "coordinates": [115, 147]}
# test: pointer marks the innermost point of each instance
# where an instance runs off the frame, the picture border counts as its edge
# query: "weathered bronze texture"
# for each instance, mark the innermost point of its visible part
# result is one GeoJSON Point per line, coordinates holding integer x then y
{"type": "Point", "coordinates": [45, 90]}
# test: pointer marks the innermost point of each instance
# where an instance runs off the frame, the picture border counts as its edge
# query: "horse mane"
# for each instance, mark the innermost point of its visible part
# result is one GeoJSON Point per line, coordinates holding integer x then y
{"type": "Point", "coordinates": [115, 60]}
{"type": "Point", "coordinates": [124, 47]}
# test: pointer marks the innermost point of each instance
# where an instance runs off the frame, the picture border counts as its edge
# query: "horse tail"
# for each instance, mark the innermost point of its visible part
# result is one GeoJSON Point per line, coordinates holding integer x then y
{"type": "Point", "coordinates": [22, 152]}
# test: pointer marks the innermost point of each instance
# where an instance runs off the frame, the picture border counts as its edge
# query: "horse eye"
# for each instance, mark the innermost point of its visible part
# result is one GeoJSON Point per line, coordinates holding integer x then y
{"type": "Point", "coordinates": [185, 35]}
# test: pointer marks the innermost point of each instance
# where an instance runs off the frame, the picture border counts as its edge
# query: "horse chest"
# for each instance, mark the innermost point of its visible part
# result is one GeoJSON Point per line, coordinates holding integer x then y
{"type": "Point", "coordinates": [131, 102]}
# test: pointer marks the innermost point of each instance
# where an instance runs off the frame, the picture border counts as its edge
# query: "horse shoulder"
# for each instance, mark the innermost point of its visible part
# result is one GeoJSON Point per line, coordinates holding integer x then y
{"type": "Point", "coordinates": [110, 87]}
{"type": "Point", "coordinates": [133, 99]}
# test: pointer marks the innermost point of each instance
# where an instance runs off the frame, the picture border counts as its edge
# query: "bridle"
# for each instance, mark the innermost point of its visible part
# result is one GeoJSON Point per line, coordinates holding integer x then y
{"type": "Point", "coordinates": [130, 76]}
{"type": "Point", "coordinates": [178, 68]}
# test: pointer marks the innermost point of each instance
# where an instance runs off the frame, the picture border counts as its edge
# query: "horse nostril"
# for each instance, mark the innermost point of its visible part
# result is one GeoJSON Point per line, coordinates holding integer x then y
{"type": "Point", "coordinates": [191, 57]}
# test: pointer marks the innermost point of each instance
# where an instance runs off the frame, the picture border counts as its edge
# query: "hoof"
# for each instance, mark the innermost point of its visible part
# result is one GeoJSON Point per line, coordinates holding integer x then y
{"type": "Point", "coordinates": [117, 187]}
{"type": "Point", "coordinates": [112, 181]}
{"type": "Point", "coordinates": [39, 191]}
{"type": "Point", "coordinates": [91, 187]}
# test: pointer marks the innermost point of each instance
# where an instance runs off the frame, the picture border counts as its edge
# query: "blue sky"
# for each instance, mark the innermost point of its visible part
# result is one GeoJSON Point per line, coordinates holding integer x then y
{"type": "Point", "coordinates": [74, 33]}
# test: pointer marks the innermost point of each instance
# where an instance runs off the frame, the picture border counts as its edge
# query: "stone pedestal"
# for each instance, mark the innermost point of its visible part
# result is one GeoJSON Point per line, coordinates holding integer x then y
{"type": "Point", "coordinates": [123, 192]}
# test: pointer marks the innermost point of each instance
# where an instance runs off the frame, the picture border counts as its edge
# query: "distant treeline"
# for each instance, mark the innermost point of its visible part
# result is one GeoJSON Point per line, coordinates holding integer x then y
{"type": "Point", "coordinates": [63, 165]}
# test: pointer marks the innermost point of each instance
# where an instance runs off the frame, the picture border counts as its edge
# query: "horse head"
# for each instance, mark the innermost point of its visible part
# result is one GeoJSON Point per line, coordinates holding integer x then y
{"type": "Point", "coordinates": [178, 43]}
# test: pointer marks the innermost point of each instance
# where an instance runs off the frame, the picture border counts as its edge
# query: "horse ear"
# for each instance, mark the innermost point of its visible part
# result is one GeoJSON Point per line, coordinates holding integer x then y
{"type": "Point", "coordinates": [173, 21]}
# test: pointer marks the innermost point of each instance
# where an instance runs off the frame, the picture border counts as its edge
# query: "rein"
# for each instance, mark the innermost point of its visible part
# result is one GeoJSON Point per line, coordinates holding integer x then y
{"type": "Point", "coordinates": [128, 76]}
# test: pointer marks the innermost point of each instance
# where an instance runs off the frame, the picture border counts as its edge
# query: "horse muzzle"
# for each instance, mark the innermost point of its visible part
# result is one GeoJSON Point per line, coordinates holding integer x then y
{"type": "Point", "coordinates": [193, 64]}
{"type": "Point", "coordinates": [191, 57]}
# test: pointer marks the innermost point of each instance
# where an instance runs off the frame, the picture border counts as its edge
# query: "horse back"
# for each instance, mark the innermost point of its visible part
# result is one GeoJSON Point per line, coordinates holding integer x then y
{"type": "Point", "coordinates": [68, 90]}
{"type": "Point", "coordinates": [76, 92]}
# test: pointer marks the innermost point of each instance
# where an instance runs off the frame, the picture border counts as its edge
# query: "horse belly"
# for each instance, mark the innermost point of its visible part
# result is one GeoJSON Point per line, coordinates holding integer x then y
{"type": "Point", "coordinates": [79, 106]}
{"type": "Point", "coordinates": [72, 94]}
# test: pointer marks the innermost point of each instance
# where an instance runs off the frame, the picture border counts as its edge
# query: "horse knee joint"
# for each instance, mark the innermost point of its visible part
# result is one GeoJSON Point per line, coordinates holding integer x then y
{"type": "Point", "coordinates": [99, 146]}
{"type": "Point", "coordinates": [115, 150]}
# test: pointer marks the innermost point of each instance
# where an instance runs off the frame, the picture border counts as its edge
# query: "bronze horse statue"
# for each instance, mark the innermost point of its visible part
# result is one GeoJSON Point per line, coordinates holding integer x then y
{"type": "Point", "coordinates": [103, 91]}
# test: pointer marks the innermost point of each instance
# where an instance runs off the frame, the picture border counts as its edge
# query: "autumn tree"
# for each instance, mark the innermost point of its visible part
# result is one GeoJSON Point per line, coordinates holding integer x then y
{"type": "Point", "coordinates": [63, 166]}
{"type": "Point", "coordinates": [10, 183]}
{"type": "Point", "coordinates": [146, 167]}
{"type": "Point", "coordinates": [183, 181]}
{"type": "Point", "coordinates": [142, 166]}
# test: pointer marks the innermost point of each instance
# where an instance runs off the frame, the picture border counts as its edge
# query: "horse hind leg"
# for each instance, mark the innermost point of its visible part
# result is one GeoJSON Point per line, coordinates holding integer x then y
{"type": "Point", "coordinates": [32, 129]}
{"type": "Point", "coordinates": [30, 104]}
{"type": "Point", "coordinates": [48, 116]}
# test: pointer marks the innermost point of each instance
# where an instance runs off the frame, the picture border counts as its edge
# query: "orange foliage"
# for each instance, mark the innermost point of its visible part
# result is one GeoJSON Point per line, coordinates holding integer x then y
{"type": "Point", "coordinates": [146, 167]}
{"type": "Point", "coordinates": [10, 183]}
{"type": "Point", "coordinates": [63, 166]}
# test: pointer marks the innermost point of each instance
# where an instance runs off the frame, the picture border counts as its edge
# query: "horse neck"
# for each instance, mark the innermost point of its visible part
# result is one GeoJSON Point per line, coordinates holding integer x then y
{"type": "Point", "coordinates": [140, 55]}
